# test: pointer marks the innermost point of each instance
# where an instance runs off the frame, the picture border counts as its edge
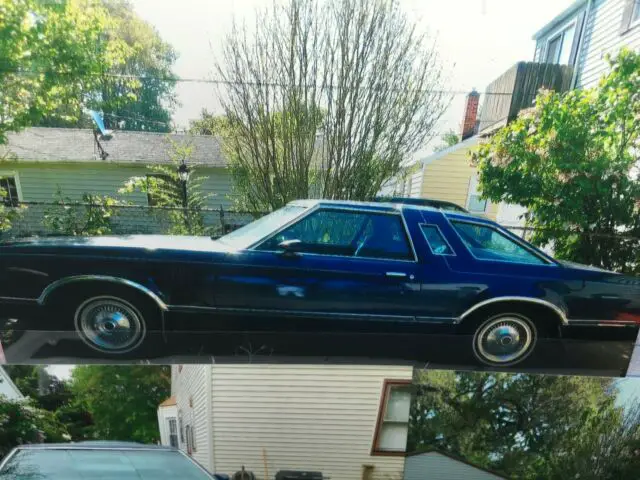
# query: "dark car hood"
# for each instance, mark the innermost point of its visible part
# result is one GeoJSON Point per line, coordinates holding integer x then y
{"type": "Point", "coordinates": [143, 242]}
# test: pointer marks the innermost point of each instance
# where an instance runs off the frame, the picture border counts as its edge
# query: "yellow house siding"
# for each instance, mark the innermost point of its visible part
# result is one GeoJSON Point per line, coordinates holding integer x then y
{"type": "Point", "coordinates": [448, 178]}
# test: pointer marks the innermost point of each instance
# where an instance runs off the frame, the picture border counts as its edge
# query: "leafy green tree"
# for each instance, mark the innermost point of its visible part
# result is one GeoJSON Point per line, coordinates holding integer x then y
{"type": "Point", "coordinates": [449, 139]}
{"type": "Point", "coordinates": [50, 56]}
{"type": "Point", "coordinates": [23, 423]}
{"type": "Point", "coordinates": [572, 161]}
{"type": "Point", "coordinates": [524, 426]}
{"type": "Point", "coordinates": [92, 216]}
{"type": "Point", "coordinates": [123, 401]}
{"type": "Point", "coordinates": [182, 201]}
{"type": "Point", "coordinates": [137, 92]}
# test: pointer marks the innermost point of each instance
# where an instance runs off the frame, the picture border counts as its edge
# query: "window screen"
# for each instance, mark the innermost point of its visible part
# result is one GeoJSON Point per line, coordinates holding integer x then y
{"type": "Point", "coordinates": [9, 191]}
{"type": "Point", "coordinates": [394, 424]}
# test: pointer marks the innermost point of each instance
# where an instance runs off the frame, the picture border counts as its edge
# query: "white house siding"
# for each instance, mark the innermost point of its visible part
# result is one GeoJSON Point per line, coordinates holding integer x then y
{"type": "Point", "coordinates": [602, 36]}
{"type": "Point", "coordinates": [416, 185]}
{"type": "Point", "coordinates": [192, 382]}
{"type": "Point", "coordinates": [164, 414]}
{"type": "Point", "coordinates": [435, 466]}
{"type": "Point", "coordinates": [304, 417]}
{"type": "Point", "coordinates": [7, 387]}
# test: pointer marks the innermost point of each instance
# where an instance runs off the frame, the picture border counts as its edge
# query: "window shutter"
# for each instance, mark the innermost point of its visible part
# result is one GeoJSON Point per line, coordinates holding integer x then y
{"type": "Point", "coordinates": [626, 16]}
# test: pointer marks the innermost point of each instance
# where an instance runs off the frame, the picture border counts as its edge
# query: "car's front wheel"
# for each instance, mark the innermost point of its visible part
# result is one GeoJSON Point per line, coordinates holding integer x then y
{"type": "Point", "coordinates": [504, 339]}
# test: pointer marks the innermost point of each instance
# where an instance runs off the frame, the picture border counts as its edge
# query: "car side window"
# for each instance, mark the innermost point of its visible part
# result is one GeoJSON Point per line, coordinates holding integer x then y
{"type": "Point", "coordinates": [347, 233]}
{"type": "Point", "coordinates": [436, 241]}
{"type": "Point", "coordinates": [487, 243]}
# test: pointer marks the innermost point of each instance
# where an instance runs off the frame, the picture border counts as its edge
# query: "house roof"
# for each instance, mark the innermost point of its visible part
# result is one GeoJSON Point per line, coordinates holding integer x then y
{"type": "Point", "coordinates": [77, 145]}
{"type": "Point", "coordinates": [469, 142]}
{"type": "Point", "coordinates": [168, 402]}
{"type": "Point", "coordinates": [562, 16]}
{"type": "Point", "coordinates": [456, 458]}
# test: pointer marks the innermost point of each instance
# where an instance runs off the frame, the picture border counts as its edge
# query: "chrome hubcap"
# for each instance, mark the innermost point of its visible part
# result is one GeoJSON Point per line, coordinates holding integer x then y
{"type": "Point", "coordinates": [110, 324]}
{"type": "Point", "coordinates": [504, 339]}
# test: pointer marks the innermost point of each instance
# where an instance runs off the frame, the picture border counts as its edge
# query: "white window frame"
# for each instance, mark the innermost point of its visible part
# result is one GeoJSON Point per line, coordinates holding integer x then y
{"type": "Point", "coordinates": [173, 420]}
{"type": "Point", "coordinates": [16, 179]}
{"type": "Point", "coordinates": [635, 11]}
{"type": "Point", "coordinates": [472, 190]}
{"type": "Point", "coordinates": [559, 32]}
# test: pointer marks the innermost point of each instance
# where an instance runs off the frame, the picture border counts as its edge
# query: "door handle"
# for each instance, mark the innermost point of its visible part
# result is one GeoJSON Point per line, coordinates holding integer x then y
{"type": "Point", "coordinates": [396, 274]}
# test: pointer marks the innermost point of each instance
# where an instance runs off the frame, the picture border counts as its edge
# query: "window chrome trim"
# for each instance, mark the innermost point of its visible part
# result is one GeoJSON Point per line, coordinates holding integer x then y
{"type": "Point", "coordinates": [317, 207]}
{"type": "Point", "coordinates": [548, 261]}
{"type": "Point", "coordinates": [6, 459]}
{"type": "Point", "coordinates": [539, 301]}
{"type": "Point", "coordinates": [101, 278]}
{"type": "Point", "coordinates": [453, 252]}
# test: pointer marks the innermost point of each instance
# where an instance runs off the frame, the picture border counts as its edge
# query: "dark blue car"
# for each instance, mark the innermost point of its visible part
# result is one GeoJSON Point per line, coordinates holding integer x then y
{"type": "Point", "coordinates": [324, 265]}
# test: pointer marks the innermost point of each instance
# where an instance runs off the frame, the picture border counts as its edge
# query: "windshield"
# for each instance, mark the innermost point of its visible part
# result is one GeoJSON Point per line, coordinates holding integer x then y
{"type": "Point", "coordinates": [254, 231]}
{"type": "Point", "coordinates": [56, 464]}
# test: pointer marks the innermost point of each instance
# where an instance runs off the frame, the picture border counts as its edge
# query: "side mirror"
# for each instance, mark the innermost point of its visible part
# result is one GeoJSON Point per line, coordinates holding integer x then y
{"type": "Point", "coordinates": [290, 247]}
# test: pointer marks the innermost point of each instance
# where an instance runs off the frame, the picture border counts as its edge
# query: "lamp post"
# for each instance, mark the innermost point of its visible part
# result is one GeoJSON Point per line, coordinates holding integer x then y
{"type": "Point", "coordinates": [183, 175]}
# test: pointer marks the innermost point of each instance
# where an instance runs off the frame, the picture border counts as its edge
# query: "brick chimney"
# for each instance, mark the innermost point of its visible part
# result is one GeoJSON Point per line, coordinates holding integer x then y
{"type": "Point", "coordinates": [470, 115]}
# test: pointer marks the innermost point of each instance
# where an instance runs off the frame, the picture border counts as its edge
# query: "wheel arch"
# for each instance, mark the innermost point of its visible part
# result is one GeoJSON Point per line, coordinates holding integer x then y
{"type": "Point", "coordinates": [74, 280]}
{"type": "Point", "coordinates": [558, 312]}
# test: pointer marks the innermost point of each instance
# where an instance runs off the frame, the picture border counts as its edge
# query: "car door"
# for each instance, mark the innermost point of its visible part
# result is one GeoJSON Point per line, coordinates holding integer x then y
{"type": "Point", "coordinates": [358, 264]}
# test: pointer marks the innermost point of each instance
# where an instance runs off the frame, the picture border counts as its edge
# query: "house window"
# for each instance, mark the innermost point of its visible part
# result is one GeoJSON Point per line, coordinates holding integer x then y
{"type": "Point", "coordinates": [154, 183]}
{"type": "Point", "coordinates": [173, 432]}
{"type": "Point", "coordinates": [191, 441]}
{"type": "Point", "coordinates": [181, 427]}
{"type": "Point", "coordinates": [9, 190]}
{"type": "Point", "coordinates": [393, 418]}
{"type": "Point", "coordinates": [559, 46]}
{"type": "Point", "coordinates": [475, 202]}
{"type": "Point", "coordinates": [635, 14]}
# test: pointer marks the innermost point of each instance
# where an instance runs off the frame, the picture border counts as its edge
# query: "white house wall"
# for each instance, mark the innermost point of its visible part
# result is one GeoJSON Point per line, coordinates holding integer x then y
{"type": "Point", "coordinates": [8, 388]}
{"type": "Point", "coordinates": [165, 413]}
{"type": "Point", "coordinates": [191, 385]}
{"type": "Point", "coordinates": [602, 36]}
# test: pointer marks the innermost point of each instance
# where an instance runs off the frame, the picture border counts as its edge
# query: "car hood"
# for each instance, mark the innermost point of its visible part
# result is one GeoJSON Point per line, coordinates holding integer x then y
{"type": "Point", "coordinates": [581, 266]}
{"type": "Point", "coordinates": [142, 242]}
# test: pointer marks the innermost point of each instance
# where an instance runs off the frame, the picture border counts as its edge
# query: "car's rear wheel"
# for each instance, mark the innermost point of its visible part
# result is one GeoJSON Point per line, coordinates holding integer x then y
{"type": "Point", "coordinates": [504, 339]}
{"type": "Point", "coordinates": [110, 324]}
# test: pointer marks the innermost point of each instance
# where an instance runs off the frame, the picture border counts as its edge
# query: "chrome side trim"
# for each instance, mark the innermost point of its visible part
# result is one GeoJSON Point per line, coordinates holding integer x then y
{"type": "Point", "coordinates": [101, 278]}
{"type": "Point", "coordinates": [539, 301]}
{"type": "Point", "coordinates": [6, 459]}
{"type": "Point", "coordinates": [602, 323]}
{"type": "Point", "coordinates": [18, 299]}
{"type": "Point", "coordinates": [292, 313]}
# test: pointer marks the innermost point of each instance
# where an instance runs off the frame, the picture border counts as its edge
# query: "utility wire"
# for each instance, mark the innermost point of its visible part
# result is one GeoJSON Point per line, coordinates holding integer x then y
{"type": "Point", "coordinates": [214, 81]}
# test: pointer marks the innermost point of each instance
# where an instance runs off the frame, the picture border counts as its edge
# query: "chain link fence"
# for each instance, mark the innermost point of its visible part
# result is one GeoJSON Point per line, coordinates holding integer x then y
{"type": "Point", "coordinates": [122, 219]}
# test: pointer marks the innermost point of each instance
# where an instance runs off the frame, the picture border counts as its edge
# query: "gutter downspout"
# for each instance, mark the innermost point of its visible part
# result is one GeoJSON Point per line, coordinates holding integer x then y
{"type": "Point", "coordinates": [587, 14]}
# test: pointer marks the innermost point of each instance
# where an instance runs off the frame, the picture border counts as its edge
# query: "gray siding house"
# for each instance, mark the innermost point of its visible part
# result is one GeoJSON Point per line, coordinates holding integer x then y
{"type": "Point", "coordinates": [433, 465]}
{"type": "Point", "coordinates": [584, 33]}
{"type": "Point", "coordinates": [40, 161]}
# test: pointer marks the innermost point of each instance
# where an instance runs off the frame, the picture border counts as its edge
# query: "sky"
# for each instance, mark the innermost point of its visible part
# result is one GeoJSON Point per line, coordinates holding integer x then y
{"type": "Point", "coordinates": [477, 40]}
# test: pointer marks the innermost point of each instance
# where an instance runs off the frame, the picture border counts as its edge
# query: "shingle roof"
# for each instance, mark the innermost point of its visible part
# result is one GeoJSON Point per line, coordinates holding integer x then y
{"type": "Point", "coordinates": [78, 145]}
{"type": "Point", "coordinates": [168, 402]}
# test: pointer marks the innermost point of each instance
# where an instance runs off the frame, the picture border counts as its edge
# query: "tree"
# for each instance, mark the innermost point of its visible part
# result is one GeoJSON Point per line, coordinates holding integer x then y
{"type": "Point", "coordinates": [123, 401]}
{"type": "Point", "coordinates": [22, 423]}
{"type": "Point", "coordinates": [92, 216]}
{"type": "Point", "coordinates": [50, 56]}
{"type": "Point", "coordinates": [181, 200]}
{"type": "Point", "coordinates": [525, 426]}
{"type": "Point", "coordinates": [136, 93]}
{"type": "Point", "coordinates": [449, 139]}
{"type": "Point", "coordinates": [326, 100]}
{"type": "Point", "coordinates": [572, 161]}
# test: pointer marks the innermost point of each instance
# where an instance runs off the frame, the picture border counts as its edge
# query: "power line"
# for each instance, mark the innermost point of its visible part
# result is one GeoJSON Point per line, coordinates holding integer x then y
{"type": "Point", "coordinates": [214, 81]}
